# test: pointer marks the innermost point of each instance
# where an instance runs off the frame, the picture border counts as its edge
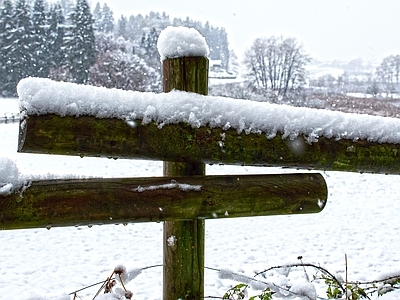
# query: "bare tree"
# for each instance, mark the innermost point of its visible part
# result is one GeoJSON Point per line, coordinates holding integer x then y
{"type": "Point", "coordinates": [388, 73]}
{"type": "Point", "coordinates": [276, 64]}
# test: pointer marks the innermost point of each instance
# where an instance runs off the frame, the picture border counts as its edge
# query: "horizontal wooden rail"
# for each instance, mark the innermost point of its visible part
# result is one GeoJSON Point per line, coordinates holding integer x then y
{"type": "Point", "coordinates": [110, 201]}
{"type": "Point", "coordinates": [90, 136]}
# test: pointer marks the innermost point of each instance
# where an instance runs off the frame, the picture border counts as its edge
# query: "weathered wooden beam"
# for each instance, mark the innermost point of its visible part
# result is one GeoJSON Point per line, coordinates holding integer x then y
{"type": "Point", "coordinates": [184, 241]}
{"type": "Point", "coordinates": [90, 136]}
{"type": "Point", "coordinates": [188, 74]}
{"type": "Point", "coordinates": [112, 201]}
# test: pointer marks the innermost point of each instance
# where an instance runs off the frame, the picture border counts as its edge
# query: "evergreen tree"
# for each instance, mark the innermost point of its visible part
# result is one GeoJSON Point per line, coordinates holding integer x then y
{"type": "Point", "coordinates": [223, 48]}
{"type": "Point", "coordinates": [7, 26]}
{"type": "Point", "coordinates": [56, 35]}
{"type": "Point", "coordinates": [206, 30]}
{"type": "Point", "coordinates": [135, 27]}
{"type": "Point", "coordinates": [48, 44]}
{"type": "Point", "coordinates": [67, 7]}
{"type": "Point", "coordinates": [147, 50]}
{"type": "Point", "coordinates": [103, 18]}
{"type": "Point", "coordinates": [97, 17]}
{"type": "Point", "coordinates": [150, 48]}
{"type": "Point", "coordinates": [39, 46]}
{"type": "Point", "coordinates": [142, 43]}
{"type": "Point", "coordinates": [20, 54]}
{"type": "Point", "coordinates": [151, 40]}
{"type": "Point", "coordinates": [108, 19]}
{"type": "Point", "coordinates": [216, 38]}
{"type": "Point", "coordinates": [81, 48]}
{"type": "Point", "coordinates": [122, 27]}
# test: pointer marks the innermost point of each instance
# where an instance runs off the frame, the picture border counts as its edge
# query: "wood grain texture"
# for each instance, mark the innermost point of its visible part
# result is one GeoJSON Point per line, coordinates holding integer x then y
{"type": "Point", "coordinates": [115, 201]}
{"type": "Point", "coordinates": [183, 269]}
{"type": "Point", "coordinates": [89, 136]}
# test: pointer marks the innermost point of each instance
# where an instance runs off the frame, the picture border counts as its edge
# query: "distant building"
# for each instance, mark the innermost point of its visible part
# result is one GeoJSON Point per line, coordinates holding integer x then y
{"type": "Point", "coordinates": [217, 71]}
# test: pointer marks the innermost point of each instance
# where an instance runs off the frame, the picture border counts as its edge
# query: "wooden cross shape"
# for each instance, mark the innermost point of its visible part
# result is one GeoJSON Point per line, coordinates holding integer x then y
{"type": "Point", "coordinates": [182, 199]}
{"type": "Point", "coordinates": [185, 196]}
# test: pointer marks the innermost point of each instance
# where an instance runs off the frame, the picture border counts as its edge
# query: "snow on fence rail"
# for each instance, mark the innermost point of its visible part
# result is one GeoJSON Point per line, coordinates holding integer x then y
{"type": "Point", "coordinates": [44, 97]}
{"type": "Point", "coordinates": [185, 130]}
{"type": "Point", "coordinates": [73, 119]}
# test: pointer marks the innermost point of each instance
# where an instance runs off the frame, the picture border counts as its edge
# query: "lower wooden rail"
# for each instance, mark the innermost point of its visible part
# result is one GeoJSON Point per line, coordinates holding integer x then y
{"type": "Point", "coordinates": [110, 201]}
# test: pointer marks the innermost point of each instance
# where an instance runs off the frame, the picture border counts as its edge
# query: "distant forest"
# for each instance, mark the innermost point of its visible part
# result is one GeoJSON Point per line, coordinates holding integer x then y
{"type": "Point", "coordinates": [71, 41]}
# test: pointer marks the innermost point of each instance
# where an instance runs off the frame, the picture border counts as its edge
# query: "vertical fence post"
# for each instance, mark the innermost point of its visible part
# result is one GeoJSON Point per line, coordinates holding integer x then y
{"type": "Point", "coordinates": [184, 240]}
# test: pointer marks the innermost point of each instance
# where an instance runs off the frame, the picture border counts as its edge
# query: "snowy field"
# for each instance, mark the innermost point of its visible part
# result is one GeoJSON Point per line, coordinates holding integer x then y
{"type": "Point", "coordinates": [361, 219]}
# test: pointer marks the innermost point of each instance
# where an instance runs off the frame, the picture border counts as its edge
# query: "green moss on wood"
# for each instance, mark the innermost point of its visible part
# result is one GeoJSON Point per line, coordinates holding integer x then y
{"type": "Point", "coordinates": [109, 201]}
{"type": "Point", "coordinates": [89, 136]}
{"type": "Point", "coordinates": [188, 74]}
{"type": "Point", "coordinates": [184, 264]}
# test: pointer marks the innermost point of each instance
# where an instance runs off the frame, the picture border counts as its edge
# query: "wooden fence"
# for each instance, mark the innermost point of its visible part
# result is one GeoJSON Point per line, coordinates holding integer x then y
{"type": "Point", "coordinates": [185, 197]}
{"type": "Point", "coordinates": [182, 199]}
{"type": "Point", "coordinates": [10, 118]}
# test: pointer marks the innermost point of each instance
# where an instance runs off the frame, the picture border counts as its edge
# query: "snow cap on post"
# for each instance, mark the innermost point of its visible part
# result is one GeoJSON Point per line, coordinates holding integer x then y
{"type": "Point", "coordinates": [181, 41]}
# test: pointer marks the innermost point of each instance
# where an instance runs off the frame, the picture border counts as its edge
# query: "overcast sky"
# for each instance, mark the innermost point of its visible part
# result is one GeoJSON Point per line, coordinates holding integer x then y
{"type": "Point", "coordinates": [328, 30]}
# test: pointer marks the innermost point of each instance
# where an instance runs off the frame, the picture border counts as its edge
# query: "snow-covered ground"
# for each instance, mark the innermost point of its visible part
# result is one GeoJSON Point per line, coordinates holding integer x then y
{"type": "Point", "coordinates": [360, 220]}
{"type": "Point", "coordinates": [8, 109]}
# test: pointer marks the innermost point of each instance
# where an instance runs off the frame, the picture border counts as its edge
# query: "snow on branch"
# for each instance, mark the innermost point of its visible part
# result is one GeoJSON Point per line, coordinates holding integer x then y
{"type": "Point", "coordinates": [43, 96]}
{"type": "Point", "coordinates": [181, 42]}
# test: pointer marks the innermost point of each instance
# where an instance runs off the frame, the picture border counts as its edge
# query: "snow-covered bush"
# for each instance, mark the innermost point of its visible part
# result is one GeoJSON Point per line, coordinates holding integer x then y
{"type": "Point", "coordinates": [279, 285]}
{"type": "Point", "coordinates": [118, 67]}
